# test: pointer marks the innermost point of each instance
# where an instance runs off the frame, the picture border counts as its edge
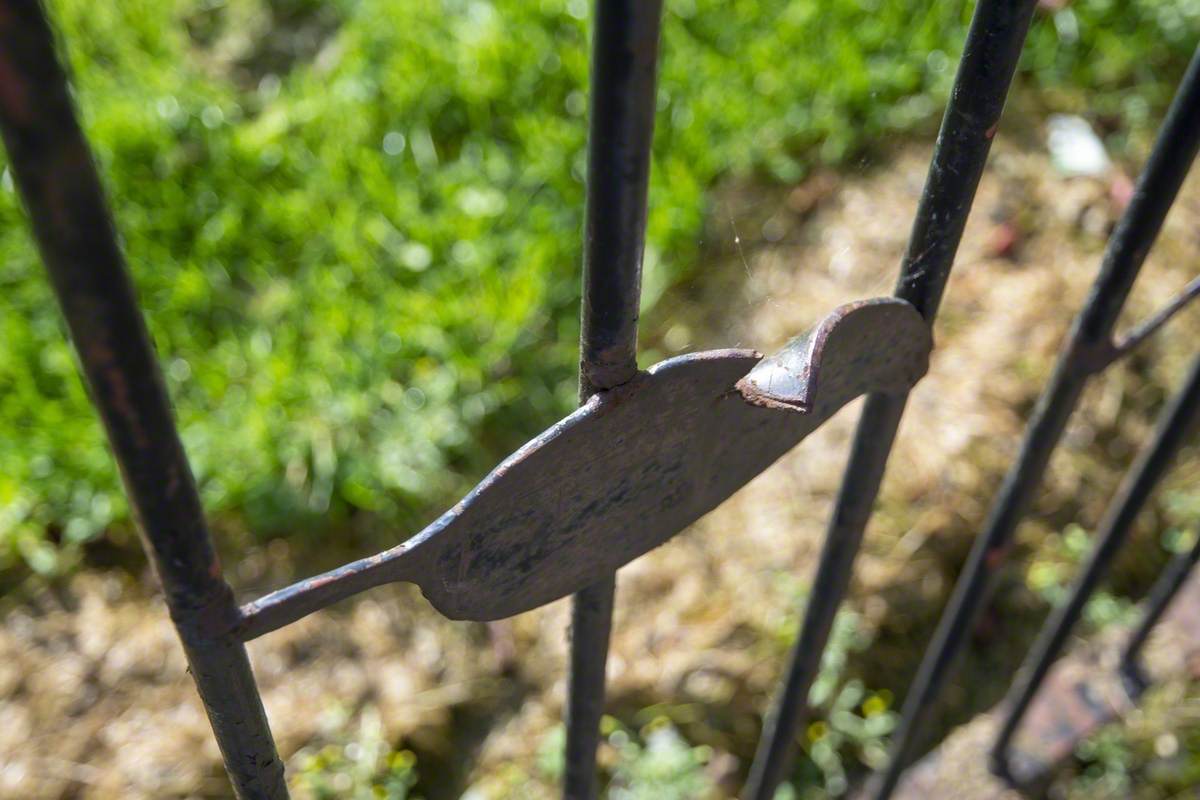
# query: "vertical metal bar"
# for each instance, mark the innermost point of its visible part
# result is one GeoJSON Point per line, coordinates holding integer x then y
{"type": "Point", "coordinates": [1157, 602]}
{"type": "Point", "coordinates": [1088, 348]}
{"type": "Point", "coordinates": [591, 624]}
{"type": "Point", "coordinates": [621, 130]}
{"type": "Point", "coordinates": [860, 484]}
{"type": "Point", "coordinates": [53, 169]}
{"type": "Point", "coordinates": [989, 61]}
{"type": "Point", "coordinates": [1175, 425]}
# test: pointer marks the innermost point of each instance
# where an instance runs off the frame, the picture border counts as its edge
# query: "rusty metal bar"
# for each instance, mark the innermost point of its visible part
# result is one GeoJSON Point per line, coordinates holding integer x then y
{"type": "Point", "coordinates": [53, 169]}
{"type": "Point", "coordinates": [1088, 348]}
{"type": "Point", "coordinates": [1175, 425]}
{"type": "Point", "coordinates": [621, 129]}
{"type": "Point", "coordinates": [628, 471]}
{"type": "Point", "coordinates": [296, 601]}
{"type": "Point", "coordinates": [1160, 598]}
{"type": "Point", "coordinates": [989, 60]}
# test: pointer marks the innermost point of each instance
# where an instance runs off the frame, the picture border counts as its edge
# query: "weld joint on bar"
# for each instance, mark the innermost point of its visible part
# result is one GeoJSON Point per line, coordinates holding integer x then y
{"type": "Point", "coordinates": [202, 620]}
{"type": "Point", "coordinates": [1150, 326]}
{"type": "Point", "coordinates": [603, 376]}
{"type": "Point", "coordinates": [1096, 357]}
{"type": "Point", "coordinates": [1092, 358]}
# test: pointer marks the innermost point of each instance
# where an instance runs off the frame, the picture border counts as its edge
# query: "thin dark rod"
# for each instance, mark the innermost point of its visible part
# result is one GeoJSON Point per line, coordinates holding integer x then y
{"type": "Point", "coordinates": [1157, 602]}
{"type": "Point", "coordinates": [591, 624]}
{"type": "Point", "coordinates": [989, 60]}
{"type": "Point", "coordinates": [1175, 424]}
{"type": "Point", "coordinates": [1088, 346]}
{"type": "Point", "coordinates": [621, 130]}
{"type": "Point", "coordinates": [788, 713]}
{"type": "Point", "coordinates": [53, 169]}
{"type": "Point", "coordinates": [1147, 328]}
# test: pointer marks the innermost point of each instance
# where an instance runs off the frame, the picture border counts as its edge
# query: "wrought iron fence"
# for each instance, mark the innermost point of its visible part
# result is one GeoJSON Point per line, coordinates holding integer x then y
{"type": "Point", "coordinates": [648, 452]}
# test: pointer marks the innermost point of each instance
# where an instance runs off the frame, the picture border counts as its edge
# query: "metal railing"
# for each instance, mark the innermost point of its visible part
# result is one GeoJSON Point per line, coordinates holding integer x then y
{"type": "Point", "coordinates": [1089, 349]}
{"type": "Point", "coordinates": [648, 452]}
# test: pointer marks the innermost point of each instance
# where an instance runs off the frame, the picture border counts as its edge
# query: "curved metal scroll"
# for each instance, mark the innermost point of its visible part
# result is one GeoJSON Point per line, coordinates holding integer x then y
{"type": "Point", "coordinates": [628, 470]}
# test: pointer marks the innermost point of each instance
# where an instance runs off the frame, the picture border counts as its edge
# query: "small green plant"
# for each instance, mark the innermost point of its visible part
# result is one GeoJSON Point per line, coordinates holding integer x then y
{"type": "Point", "coordinates": [850, 722]}
{"type": "Point", "coordinates": [854, 722]}
{"type": "Point", "coordinates": [656, 764]}
{"type": "Point", "coordinates": [356, 766]}
{"type": "Point", "coordinates": [1052, 572]}
{"type": "Point", "coordinates": [1106, 765]}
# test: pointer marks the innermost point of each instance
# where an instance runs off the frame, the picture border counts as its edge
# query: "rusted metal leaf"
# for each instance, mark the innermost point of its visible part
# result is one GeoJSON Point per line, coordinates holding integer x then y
{"type": "Point", "coordinates": [629, 470]}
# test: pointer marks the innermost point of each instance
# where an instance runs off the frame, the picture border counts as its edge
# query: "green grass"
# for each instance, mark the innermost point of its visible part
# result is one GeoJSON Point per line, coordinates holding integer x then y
{"type": "Point", "coordinates": [354, 224]}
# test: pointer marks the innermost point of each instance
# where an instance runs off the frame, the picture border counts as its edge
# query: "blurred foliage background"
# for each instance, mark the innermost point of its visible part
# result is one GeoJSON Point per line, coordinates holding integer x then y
{"type": "Point", "coordinates": [354, 224]}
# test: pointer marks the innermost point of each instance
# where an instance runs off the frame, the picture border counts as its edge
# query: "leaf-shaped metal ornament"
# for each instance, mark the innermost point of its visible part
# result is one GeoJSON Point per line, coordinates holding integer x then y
{"type": "Point", "coordinates": [629, 470]}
